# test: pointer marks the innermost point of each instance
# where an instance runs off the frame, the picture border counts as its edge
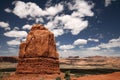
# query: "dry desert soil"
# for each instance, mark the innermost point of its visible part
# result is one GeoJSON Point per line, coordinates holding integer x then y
{"type": "Point", "coordinates": [112, 76]}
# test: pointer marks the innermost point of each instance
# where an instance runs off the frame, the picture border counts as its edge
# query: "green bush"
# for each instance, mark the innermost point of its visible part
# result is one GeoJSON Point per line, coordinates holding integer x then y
{"type": "Point", "coordinates": [67, 75]}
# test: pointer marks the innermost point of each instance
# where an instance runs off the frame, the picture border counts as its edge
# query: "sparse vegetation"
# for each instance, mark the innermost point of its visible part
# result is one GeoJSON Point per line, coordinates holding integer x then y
{"type": "Point", "coordinates": [77, 75]}
{"type": "Point", "coordinates": [4, 74]}
{"type": "Point", "coordinates": [67, 75]}
{"type": "Point", "coordinates": [5, 69]}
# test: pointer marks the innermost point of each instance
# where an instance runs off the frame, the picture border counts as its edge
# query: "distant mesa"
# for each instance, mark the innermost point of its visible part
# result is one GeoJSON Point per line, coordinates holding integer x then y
{"type": "Point", "coordinates": [11, 59]}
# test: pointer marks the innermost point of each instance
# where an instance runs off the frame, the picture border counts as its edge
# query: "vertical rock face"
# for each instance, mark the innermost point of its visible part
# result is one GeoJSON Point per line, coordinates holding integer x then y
{"type": "Point", "coordinates": [38, 53]}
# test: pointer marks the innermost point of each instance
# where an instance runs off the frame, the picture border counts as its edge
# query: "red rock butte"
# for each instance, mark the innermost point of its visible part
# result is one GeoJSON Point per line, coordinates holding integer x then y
{"type": "Point", "coordinates": [38, 54]}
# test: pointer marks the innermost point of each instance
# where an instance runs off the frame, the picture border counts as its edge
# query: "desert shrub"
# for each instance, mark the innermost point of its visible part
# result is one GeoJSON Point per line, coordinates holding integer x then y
{"type": "Point", "coordinates": [77, 75]}
{"type": "Point", "coordinates": [67, 75]}
{"type": "Point", "coordinates": [58, 78]}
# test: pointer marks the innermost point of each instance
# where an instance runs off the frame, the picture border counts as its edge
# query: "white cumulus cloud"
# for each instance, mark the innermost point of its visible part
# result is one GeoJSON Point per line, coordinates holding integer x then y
{"type": "Point", "coordinates": [27, 27]}
{"type": "Point", "coordinates": [53, 10]}
{"type": "Point", "coordinates": [58, 32]}
{"type": "Point", "coordinates": [23, 9]}
{"type": "Point", "coordinates": [31, 9]}
{"type": "Point", "coordinates": [72, 23]}
{"type": "Point", "coordinates": [4, 25]}
{"type": "Point", "coordinates": [80, 41]}
{"type": "Point", "coordinates": [39, 20]}
{"type": "Point", "coordinates": [8, 10]}
{"type": "Point", "coordinates": [82, 8]}
{"type": "Point", "coordinates": [111, 44]}
{"type": "Point", "coordinates": [66, 47]}
{"type": "Point", "coordinates": [54, 16]}
{"type": "Point", "coordinates": [50, 25]}
{"type": "Point", "coordinates": [13, 42]}
{"type": "Point", "coordinates": [75, 21]}
{"type": "Point", "coordinates": [15, 33]}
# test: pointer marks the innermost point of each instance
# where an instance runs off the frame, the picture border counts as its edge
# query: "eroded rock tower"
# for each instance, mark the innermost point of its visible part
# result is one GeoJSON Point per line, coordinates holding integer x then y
{"type": "Point", "coordinates": [38, 54]}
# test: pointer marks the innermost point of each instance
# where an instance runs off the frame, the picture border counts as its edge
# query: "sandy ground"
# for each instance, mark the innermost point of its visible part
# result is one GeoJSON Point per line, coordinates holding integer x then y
{"type": "Point", "coordinates": [112, 76]}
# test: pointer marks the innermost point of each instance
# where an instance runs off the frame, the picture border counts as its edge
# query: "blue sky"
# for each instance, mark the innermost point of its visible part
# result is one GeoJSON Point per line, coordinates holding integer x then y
{"type": "Point", "coordinates": [81, 27]}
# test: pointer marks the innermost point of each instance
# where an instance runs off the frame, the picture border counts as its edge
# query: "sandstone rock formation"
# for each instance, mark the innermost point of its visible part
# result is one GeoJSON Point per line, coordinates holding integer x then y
{"type": "Point", "coordinates": [38, 53]}
{"type": "Point", "coordinates": [40, 43]}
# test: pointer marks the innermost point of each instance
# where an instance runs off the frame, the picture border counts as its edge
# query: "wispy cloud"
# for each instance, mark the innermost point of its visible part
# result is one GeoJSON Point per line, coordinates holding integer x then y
{"type": "Point", "coordinates": [91, 39]}
{"type": "Point", "coordinates": [94, 48]}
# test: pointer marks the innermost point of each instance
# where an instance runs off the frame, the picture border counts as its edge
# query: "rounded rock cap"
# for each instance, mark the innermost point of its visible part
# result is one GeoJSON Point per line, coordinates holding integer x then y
{"type": "Point", "coordinates": [38, 27]}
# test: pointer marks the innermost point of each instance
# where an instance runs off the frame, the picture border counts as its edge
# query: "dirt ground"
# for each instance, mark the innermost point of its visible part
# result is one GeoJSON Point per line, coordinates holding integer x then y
{"type": "Point", "coordinates": [13, 76]}
{"type": "Point", "coordinates": [112, 76]}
